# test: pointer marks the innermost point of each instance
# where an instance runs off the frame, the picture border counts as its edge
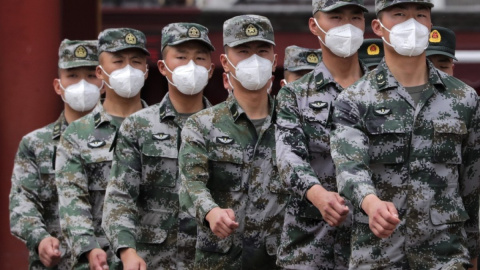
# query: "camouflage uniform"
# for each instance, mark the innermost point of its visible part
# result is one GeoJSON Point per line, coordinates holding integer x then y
{"type": "Point", "coordinates": [141, 206]}
{"type": "Point", "coordinates": [33, 196]}
{"type": "Point", "coordinates": [303, 158]}
{"type": "Point", "coordinates": [225, 163]}
{"type": "Point", "coordinates": [425, 159]}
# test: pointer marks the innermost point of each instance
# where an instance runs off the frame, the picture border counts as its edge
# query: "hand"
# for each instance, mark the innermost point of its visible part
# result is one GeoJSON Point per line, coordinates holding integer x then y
{"type": "Point", "coordinates": [474, 262]}
{"type": "Point", "coordinates": [222, 221]}
{"type": "Point", "coordinates": [49, 252]}
{"type": "Point", "coordinates": [131, 260]}
{"type": "Point", "coordinates": [97, 259]}
{"type": "Point", "coordinates": [382, 216]}
{"type": "Point", "coordinates": [330, 204]}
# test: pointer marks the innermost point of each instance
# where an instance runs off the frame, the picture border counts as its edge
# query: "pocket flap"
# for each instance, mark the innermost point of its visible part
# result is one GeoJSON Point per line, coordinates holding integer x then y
{"type": "Point", "coordinates": [382, 126]}
{"type": "Point", "coordinates": [160, 149]}
{"type": "Point", "coordinates": [226, 153]}
{"type": "Point", "coordinates": [452, 126]}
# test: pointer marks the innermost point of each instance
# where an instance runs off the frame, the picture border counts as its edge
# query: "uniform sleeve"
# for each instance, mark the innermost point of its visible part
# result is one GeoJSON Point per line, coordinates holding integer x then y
{"type": "Point", "coordinates": [291, 146]}
{"type": "Point", "coordinates": [75, 209]}
{"type": "Point", "coordinates": [470, 182]}
{"type": "Point", "coordinates": [26, 221]}
{"type": "Point", "coordinates": [349, 146]}
{"type": "Point", "coordinates": [193, 163]}
{"type": "Point", "coordinates": [120, 211]}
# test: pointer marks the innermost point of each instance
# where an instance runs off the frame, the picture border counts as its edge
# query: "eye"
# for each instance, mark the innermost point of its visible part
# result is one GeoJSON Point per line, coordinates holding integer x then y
{"type": "Point", "coordinates": [400, 14]}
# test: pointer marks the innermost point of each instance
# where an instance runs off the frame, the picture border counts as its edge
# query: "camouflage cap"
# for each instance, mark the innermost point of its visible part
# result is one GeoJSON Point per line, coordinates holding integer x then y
{"type": "Point", "coordinates": [177, 33]}
{"type": "Point", "coordinates": [77, 53]}
{"type": "Point", "coordinates": [442, 41]}
{"type": "Point", "coordinates": [383, 4]}
{"type": "Point", "coordinates": [298, 58]}
{"type": "Point", "coordinates": [246, 28]}
{"type": "Point", "coordinates": [117, 39]}
{"type": "Point", "coordinates": [329, 5]}
{"type": "Point", "coordinates": [371, 52]}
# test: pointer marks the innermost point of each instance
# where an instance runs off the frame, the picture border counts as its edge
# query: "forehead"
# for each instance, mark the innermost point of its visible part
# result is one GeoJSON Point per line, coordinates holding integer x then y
{"type": "Point", "coordinates": [254, 45]}
{"type": "Point", "coordinates": [409, 6]}
{"type": "Point", "coordinates": [193, 46]}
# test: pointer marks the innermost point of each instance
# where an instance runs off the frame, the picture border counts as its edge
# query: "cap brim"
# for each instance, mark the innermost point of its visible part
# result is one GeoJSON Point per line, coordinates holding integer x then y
{"type": "Point", "coordinates": [210, 46]}
{"type": "Point", "coordinates": [342, 4]}
{"type": "Point", "coordinates": [117, 49]}
{"type": "Point", "coordinates": [298, 68]}
{"type": "Point", "coordinates": [243, 41]}
{"type": "Point", "coordinates": [430, 5]}
{"type": "Point", "coordinates": [78, 64]}
{"type": "Point", "coordinates": [435, 52]}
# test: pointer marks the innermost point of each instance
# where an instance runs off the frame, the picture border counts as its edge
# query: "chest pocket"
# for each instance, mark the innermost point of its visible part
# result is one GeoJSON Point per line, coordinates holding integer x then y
{"type": "Point", "coordinates": [317, 126]}
{"type": "Point", "coordinates": [159, 164]}
{"type": "Point", "coordinates": [225, 167]}
{"type": "Point", "coordinates": [447, 141]}
{"type": "Point", "coordinates": [388, 140]}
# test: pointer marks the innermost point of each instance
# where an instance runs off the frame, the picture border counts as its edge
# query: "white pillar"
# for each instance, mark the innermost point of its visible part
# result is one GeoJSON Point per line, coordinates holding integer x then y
{"type": "Point", "coordinates": [439, 4]}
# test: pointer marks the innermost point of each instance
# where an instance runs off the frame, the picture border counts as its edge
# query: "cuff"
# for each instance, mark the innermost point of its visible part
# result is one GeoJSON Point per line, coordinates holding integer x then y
{"type": "Point", "coordinates": [34, 239]}
{"type": "Point", "coordinates": [125, 239]}
{"type": "Point", "coordinates": [83, 245]}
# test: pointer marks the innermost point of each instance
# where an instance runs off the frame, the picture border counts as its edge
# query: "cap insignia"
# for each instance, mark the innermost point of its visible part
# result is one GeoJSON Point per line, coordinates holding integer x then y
{"type": "Point", "coordinates": [130, 39]}
{"type": "Point", "coordinates": [80, 52]}
{"type": "Point", "coordinates": [193, 32]}
{"type": "Point", "coordinates": [251, 30]}
{"type": "Point", "coordinates": [435, 37]}
{"type": "Point", "coordinates": [373, 49]}
{"type": "Point", "coordinates": [312, 58]}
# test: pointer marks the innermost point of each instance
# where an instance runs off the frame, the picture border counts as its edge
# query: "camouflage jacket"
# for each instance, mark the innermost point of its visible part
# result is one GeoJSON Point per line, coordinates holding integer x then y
{"type": "Point", "coordinates": [304, 120]}
{"type": "Point", "coordinates": [82, 169]}
{"type": "Point", "coordinates": [141, 203]}
{"type": "Point", "coordinates": [224, 163]}
{"type": "Point", "coordinates": [424, 158]}
{"type": "Point", "coordinates": [33, 196]}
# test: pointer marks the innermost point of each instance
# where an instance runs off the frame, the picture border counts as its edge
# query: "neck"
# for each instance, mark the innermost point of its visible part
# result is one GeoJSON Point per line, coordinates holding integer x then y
{"type": "Point", "coordinates": [72, 115]}
{"type": "Point", "coordinates": [254, 103]}
{"type": "Point", "coordinates": [345, 71]}
{"type": "Point", "coordinates": [408, 71]}
{"type": "Point", "coordinates": [119, 106]}
{"type": "Point", "coordinates": [185, 103]}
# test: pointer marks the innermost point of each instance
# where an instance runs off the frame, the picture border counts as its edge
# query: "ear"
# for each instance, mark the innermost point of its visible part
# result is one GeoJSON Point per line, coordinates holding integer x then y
{"type": "Point", "coordinates": [56, 86]}
{"type": "Point", "coordinates": [99, 73]}
{"type": "Point", "coordinates": [275, 58]}
{"type": "Point", "coordinates": [377, 27]}
{"type": "Point", "coordinates": [147, 72]}
{"type": "Point", "coordinates": [313, 26]}
{"type": "Point", "coordinates": [226, 85]}
{"type": "Point", "coordinates": [282, 83]}
{"type": "Point", "coordinates": [212, 69]}
{"type": "Point", "coordinates": [224, 62]}
{"type": "Point", "coordinates": [162, 68]}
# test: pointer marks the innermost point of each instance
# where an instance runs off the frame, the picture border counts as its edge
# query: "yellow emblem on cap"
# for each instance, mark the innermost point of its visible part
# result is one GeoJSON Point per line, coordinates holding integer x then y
{"type": "Point", "coordinates": [251, 30]}
{"type": "Point", "coordinates": [435, 37]}
{"type": "Point", "coordinates": [193, 32]}
{"type": "Point", "coordinates": [312, 58]}
{"type": "Point", "coordinates": [80, 52]}
{"type": "Point", "coordinates": [130, 39]}
{"type": "Point", "coordinates": [373, 49]}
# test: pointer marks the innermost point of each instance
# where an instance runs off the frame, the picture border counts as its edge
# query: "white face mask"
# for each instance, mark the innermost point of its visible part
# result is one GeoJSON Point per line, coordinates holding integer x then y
{"type": "Point", "coordinates": [82, 96]}
{"type": "Point", "coordinates": [127, 81]}
{"type": "Point", "coordinates": [189, 79]}
{"type": "Point", "coordinates": [253, 73]}
{"type": "Point", "coordinates": [343, 41]}
{"type": "Point", "coordinates": [409, 38]}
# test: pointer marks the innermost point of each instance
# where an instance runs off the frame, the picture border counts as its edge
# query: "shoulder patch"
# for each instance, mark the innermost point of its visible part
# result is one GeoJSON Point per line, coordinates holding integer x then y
{"type": "Point", "coordinates": [96, 144]}
{"type": "Point", "coordinates": [224, 140]}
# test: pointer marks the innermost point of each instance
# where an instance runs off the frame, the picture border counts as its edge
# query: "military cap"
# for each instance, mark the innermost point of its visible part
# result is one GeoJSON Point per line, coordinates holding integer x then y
{"type": "Point", "coordinates": [442, 41]}
{"type": "Point", "coordinates": [117, 39]}
{"type": "Point", "coordinates": [371, 52]}
{"type": "Point", "coordinates": [246, 28]}
{"type": "Point", "coordinates": [77, 53]}
{"type": "Point", "coordinates": [383, 4]}
{"type": "Point", "coordinates": [298, 58]}
{"type": "Point", "coordinates": [329, 5]}
{"type": "Point", "coordinates": [177, 33]}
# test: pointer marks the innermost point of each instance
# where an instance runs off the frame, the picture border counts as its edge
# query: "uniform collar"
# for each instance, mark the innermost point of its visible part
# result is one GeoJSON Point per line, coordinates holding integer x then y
{"type": "Point", "coordinates": [323, 77]}
{"type": "Point", "coordinates": [167, 110]}
{"type": "Point", "coordinates": [101, 116]}
{"type": "Point", "coordinates": [384, 79]}
{"type": "Point", "coordinates": [59, 126]}
{"type": "Point", "coordinates": [236, 110]}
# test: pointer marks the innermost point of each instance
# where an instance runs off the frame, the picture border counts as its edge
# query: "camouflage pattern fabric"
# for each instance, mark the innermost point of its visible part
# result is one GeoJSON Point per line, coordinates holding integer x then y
{"type": "Point", "coordinates": [224, 163]}
{"type": "Point", "coordinates": [383, 4]}
{"type": "Point", "coordinates": [329, 5]}
{"type": "Point", "coordinates": [82, 170]}
{"type": "Point", "coordinates": [77, 53]}
{"type": "Point", "coordinates": [33, 196]}
{"type": "Point", "coordinates": [425, 159]}
{"type": "Point", "coordinates": [141, 203]}
{"type": "Point", "coordinates": [247, 28]}
{"type": "Point", "coordinates": [303, 157]}
{"type": "Point", "coordinates": [298, 58]}
{"type": "Point", "coordinates": [177, 33]}
{"type": "Point", "coordinates": [117, 39]}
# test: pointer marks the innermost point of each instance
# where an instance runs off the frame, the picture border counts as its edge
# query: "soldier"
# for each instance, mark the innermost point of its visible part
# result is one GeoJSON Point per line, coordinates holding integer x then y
{"type": "Point", "coordinates": [227, 159]}
{"type": "Point", "coordinates": [406, 146]}
{"type": "Point", "coordinates": [298, 62]}
{"type": "Point", "coordinates": [33, 197]}
{"type": "Point", "coordinates": [441, 49]}
{"type": "Point", "coordinates": [84, 156]}
{"type": "Point", "coordinates": [371, 52]}
{"type": "Point", "coordinates": [141, 215]}
{"type": "Point", "coordinates": [309, 237]}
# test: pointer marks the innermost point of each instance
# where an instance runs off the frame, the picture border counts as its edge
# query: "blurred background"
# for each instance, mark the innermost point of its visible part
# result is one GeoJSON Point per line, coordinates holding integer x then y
{"type": "Point", "coordinates": [31, 32]}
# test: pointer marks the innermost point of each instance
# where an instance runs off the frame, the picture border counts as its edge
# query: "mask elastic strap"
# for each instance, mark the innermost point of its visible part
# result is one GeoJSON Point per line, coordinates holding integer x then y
{"type": "Point", "coordinates": [171, 72]}
{"type": "Point", "coordinates": [315, 20]}
{"type": "Point", "coordinates": [108, 75]}
{"type": "Point", "coordinates": [228, 78]}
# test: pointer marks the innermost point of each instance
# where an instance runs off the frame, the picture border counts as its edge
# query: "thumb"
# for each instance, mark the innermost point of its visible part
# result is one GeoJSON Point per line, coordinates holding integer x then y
{"type": "Point", "coordinates": [55, 246]}
{"type": "Point", "coordinates": [393, 211]}
{"type": "Point", "coordinates": [230, 214]}
{"type": "Point", "coordinates": [340, 199]}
